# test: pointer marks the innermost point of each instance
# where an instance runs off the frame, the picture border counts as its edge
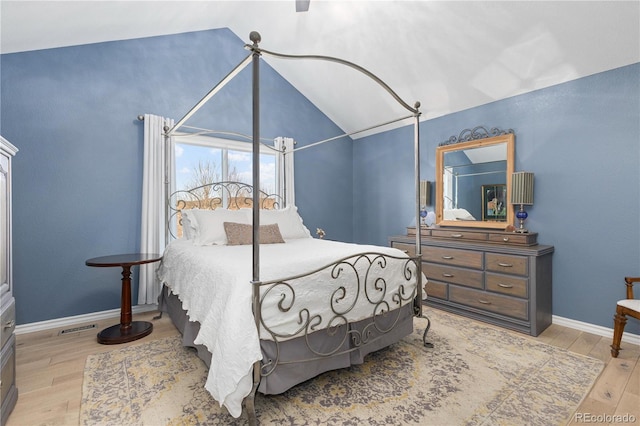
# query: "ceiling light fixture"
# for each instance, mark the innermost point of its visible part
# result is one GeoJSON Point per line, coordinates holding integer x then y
{"type": "Point", "coordinates": [302, 5]}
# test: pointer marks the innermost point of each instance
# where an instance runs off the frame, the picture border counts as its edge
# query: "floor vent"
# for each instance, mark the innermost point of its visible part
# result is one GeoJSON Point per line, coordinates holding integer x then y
{"type": "Point", "coordinates": [78, 329]}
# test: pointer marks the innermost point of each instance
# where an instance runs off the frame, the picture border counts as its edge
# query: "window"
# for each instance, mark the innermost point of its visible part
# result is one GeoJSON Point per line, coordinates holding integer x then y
{"type": "Point", "coordinates": [200, 160]}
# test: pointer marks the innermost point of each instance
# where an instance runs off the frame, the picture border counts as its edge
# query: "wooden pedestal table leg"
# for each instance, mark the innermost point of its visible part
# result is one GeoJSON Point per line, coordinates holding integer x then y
{"type": "Point", "coordinates": [127, 330]}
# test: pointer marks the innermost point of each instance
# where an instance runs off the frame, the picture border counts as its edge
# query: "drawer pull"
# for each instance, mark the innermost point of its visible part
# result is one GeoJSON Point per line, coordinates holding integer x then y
{"type": "Point", "coordinates": [505, 285]}
{"type": "Point", "coordinates": [9, 324]}
{"type": "Point", "coordinates": [505, 265]}
{"type": "Point", "coordinates": [447, 275]}
{"type": "Point", "coordinates": [505, 239]}
{"type": "Point", "coordinates": [456, 235]}
{"type": "Point", "coordinates": [447, 257]}
{"type": "Point", "coordinates": [484, 302]}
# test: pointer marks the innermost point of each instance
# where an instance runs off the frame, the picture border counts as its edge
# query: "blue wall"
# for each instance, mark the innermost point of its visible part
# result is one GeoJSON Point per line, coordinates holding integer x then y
{"type": "Point", "coordinates": [72, 113]}
{"type": "Point", "coordinates": [78, 176]}
{"type": "Point", "coordinates": [582, 140]}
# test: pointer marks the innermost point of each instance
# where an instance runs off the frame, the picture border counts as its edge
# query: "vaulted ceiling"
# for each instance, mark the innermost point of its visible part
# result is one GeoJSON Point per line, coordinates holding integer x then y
{"type": "Point", "coordinates": [449, 55]}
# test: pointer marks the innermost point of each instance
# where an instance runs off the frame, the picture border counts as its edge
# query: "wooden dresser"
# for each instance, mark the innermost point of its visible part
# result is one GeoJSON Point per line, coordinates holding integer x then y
{"type": "Point", "coordinates": [8, 389]}
{"type": "Point", "coordinates": [498, 277]}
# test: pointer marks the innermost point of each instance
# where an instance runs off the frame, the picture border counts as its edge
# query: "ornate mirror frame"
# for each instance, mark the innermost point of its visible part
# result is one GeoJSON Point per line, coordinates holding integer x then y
{"type": "Point", "coordinates": [471, 139]}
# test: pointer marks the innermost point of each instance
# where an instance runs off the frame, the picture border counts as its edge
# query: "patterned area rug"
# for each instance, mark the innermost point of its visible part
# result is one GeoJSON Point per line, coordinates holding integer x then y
{"type": "Point", "coordinates": [475, 375]}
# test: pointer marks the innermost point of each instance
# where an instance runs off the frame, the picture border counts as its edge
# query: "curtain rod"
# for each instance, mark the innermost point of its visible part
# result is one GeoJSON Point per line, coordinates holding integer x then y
{"type": "Point", "coordinates": [202, 132]}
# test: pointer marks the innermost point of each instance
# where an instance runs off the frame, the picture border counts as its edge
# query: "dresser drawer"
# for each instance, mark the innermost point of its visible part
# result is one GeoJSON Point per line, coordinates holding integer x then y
{"type": "Point", "coordinates": [503, 305]}
{"type": "Point", "coordinates": [7, 321]}
{"type": "Point", "coordinates": [456, 257]}
{"type": "Point", "coordinates": [507, 284]}
{"type": "Point", "coordinates": [436, 289]}
{"type": "Point", "coordinates": [409, 248]}
{"type": "Point", "coordinates": [459, 234]}
{"type": "Point", "coordinates": [450, 274]}
{"type": "Point", "coordinates": [506, 263]}
{"type": "Point", "coordinates": [513, 238]}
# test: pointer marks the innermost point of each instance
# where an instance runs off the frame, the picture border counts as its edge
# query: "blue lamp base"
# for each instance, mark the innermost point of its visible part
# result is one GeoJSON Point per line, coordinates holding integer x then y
{"type": "Point", "coordinates": [521, 215]}
{"type": "Point", "coordinates": [423, 216]}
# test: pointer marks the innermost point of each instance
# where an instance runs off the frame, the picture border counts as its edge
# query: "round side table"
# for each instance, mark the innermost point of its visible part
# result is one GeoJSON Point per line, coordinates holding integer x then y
{"type": "Point", "coordinates": [127, 330]}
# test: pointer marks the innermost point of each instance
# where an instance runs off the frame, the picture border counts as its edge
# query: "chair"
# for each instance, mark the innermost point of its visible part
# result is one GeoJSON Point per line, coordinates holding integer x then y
{"type": "Point", "coordinates": [628, 306]}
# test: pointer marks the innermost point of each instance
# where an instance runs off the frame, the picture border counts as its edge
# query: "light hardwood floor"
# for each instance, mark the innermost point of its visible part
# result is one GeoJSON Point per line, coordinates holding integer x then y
{"type": "Point", "coordinates": [50, 368]}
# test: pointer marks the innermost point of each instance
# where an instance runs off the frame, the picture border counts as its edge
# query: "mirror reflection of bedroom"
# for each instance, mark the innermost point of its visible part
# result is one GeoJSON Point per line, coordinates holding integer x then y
{"type": "Point", "coordinates": [472, 185]}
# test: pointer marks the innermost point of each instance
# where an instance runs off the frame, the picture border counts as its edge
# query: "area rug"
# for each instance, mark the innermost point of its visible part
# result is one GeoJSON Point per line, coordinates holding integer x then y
{"type": "Point", "coordinates": [474, 375]}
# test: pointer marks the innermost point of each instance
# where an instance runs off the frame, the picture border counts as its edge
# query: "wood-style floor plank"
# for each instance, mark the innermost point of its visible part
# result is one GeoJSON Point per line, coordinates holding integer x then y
{"type": "Point", "coordinates": [633, 387]}
{"type": "Point", "coordinates": [50, 371]}
{"type": "Point", "coordinates": [50, 368]}
{"type": "Point", "coordinates": [584, 343]}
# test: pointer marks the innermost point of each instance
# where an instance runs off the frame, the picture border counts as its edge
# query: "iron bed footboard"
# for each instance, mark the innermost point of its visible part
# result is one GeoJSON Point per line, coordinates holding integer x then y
{"type": "Point", "coordinates": [369, 284]}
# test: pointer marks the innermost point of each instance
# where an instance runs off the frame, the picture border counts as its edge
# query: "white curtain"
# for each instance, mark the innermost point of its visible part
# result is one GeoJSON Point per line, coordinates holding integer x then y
{"type": "Point", "coordinates": [285, 170]}
{"type": "Point", "coordinates": [157, 167]}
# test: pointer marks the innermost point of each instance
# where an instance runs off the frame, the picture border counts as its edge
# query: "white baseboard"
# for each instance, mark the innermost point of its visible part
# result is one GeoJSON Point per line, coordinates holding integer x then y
{"type": "Point", "coordinates": [113, 313]}
{"type": "Point", "coordinates": [78, 319]}
{"type": "Point", "coordinates": [594, 329]}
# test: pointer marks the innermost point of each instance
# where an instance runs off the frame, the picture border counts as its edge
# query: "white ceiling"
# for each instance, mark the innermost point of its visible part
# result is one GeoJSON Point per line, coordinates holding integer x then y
{"type": "Point", "coordinates": [449, 55]}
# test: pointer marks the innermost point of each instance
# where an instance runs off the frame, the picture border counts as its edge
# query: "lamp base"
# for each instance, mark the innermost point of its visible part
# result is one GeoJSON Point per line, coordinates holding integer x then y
{"type": "Point", "coordinates": [423, 217]}
{"type": "Point", "coordinates": [521, 215]}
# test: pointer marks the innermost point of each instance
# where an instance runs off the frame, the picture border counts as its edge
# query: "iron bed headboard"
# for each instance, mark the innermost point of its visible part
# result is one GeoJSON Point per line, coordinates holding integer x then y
{"type": "Point", "coordinates": [210, 196]}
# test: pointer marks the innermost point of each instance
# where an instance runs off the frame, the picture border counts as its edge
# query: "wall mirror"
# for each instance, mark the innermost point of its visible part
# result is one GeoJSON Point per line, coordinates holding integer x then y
{"type": "Point", "coordinates": [473, 179]}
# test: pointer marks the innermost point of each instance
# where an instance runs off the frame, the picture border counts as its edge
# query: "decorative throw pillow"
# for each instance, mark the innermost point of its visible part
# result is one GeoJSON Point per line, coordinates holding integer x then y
{"type": "Point", "coordinates": [241, 234]}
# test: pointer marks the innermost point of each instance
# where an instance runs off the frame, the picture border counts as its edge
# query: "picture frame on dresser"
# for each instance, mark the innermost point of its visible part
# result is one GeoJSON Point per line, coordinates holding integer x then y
{"type": "Point", "coordinates": [8, 389]}
{"type": "Point", "coordinates": [494, 202]}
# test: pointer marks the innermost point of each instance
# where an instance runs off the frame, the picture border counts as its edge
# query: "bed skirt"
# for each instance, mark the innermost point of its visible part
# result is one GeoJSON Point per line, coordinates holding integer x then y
{"type": "Point", "coordinates": [289, 373]}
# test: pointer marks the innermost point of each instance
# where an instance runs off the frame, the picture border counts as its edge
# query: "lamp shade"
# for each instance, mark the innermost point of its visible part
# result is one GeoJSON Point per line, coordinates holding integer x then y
{"type": "Point", "coordinates": [522, 188]}
{"type": "Point", "coordinates": [425, 193]}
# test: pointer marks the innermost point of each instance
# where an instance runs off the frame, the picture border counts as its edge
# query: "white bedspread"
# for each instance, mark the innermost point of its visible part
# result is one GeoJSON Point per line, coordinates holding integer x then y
{"type": "Point", "coordinates": [214, 285]}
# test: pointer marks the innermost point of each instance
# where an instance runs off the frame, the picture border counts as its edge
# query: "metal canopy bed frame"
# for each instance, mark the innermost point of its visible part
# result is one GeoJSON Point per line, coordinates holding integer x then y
{"type": "Point", "coordinates": [366, 332]}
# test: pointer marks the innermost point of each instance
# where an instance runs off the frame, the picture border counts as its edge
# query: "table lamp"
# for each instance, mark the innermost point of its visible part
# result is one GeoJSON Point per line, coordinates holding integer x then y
{"type": "Point", "coordinates": [521, 194]}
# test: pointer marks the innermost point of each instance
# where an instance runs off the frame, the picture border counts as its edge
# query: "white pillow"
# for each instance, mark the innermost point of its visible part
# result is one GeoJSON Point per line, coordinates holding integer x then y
{"type": "Point", "coordinates": [462, 214]}
{"type": "Point", "coordinates": [448, 215]}
{"type": "Point", "coordinates": [209, 224]}
{"type": "Point", "coordinates": [457, 214]}
{"type": "Point", "coordinates": [288, 220]}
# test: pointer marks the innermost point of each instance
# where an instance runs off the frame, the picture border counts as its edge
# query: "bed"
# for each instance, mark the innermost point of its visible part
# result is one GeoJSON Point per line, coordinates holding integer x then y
{"type": "Point", "coordinates": [266, 304]}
